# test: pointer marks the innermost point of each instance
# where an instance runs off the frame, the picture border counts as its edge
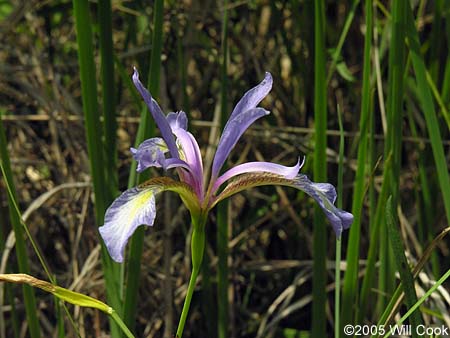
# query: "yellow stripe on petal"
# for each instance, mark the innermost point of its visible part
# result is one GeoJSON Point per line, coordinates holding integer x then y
{"type": "Point", "coordinates": [136, 207]}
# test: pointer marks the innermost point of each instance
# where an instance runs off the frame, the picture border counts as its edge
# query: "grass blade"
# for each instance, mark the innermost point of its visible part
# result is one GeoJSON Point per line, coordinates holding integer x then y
{"type": "Point", "coordinates": [222, 210]}
{"type": "Point", "coordinates": [402, 264]}
{"type": "Point", "coordinates": [350, 287]}
{"type": "Point", "coordinates": [320, 172]}
{"type": "Point", "coordinates": [337, 51]}
{"type": "Point", "coordinates": [426, 101]}
{"type": "Point", "coordinates": [108, 96]}
{"type": "Point", "coordinates": [95, 144]}
{"type": "Point", "coordinates": [22, 259]}
{"type": "Point", "coordinates": [144, 131]}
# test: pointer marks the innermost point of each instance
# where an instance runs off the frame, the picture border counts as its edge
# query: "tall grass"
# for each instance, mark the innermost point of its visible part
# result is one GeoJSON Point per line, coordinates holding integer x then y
{"type": "Point", "coordinates": [222, 209]}
{"type": "Point", "coordinates": [320, 172]}
{"type": "Point", "coordinates": [146, 130]}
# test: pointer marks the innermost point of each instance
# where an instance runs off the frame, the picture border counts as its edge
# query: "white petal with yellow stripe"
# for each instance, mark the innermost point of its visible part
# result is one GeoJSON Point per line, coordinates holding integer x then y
{"type": "Point", "coordinates": [135, 207]}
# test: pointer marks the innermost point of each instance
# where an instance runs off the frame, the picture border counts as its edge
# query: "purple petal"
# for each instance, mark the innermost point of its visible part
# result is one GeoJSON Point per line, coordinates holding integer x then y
{"type": "Point", "coordinates": [323, 193]}
{"type": "Point", "coordinates": [192, 156]}
{"type": "Point", "coordinates": [177, 120]}
{"type": "Point", "coordinates": [149, 153]}
{"type": "Point", "coordinates": [254, 96]}
{"type": "Point", "coordinates": [268, 167]}
{"type": "Point", "coordinates": [134, 207]}
{"type": "Point", "coordinates": [233, 130]}
{"type": "Point", "coordinates": [157, 114]}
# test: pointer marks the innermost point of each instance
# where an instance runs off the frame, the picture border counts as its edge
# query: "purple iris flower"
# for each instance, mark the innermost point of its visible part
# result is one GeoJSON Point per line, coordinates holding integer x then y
{"type": "Point", "coordinates": [179, 149]}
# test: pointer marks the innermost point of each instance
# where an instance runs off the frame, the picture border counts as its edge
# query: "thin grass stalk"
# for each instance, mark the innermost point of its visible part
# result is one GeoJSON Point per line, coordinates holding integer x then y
{"type": "Point", "coordinates": [222, 210]}
{"type": "Point", "coordinates": [337, 290]}
{"type": "Point", "coordinates": [426, 205]}
{"type": "Point", "coordinates": [108, 97]}
{"type": "Point", "coordinates": [406, 276]}
{"type": "Point", "coordinates": [320, 172]}
{"type": "Point", "coordinates": [146, 130]}
{"type": "Point", "coordinates": [435, 41]}
{"type": "Point", "coordinates": [337, 52]}
{"type": "Point", "coordinates": [21, 252]}
{"type": "Point", "coordinates": [350, 287]}
{"type": "Point", "coordinates": [445, 91]}
{"type": "Point", "coordinates": [421, 300]}
{"type": "Point", "coordinates": [393, 140]}
{"type": "Point", "coordinates": [426, 102]}
{"type": "Point", "coordinates": [373, 246]}
{"type": "Point", "coordinates": [14, 315]}
{"type": "Point", "coordinates": [95, 144]}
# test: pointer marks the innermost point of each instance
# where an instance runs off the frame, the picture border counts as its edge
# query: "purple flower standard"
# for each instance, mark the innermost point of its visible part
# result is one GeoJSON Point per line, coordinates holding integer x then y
{"type": "Point", "coordinates": [178, 149]}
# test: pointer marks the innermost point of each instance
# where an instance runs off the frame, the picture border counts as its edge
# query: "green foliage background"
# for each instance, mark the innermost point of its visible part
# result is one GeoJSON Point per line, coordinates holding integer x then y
{"type": "Point", "coordinates": [70, 113]}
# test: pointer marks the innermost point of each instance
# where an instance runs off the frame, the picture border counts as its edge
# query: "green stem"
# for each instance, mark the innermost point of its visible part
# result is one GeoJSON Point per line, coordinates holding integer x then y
{"type": "Point", "coordinates": [197, 249]}
{"type": "Point", "coordinates": [187, 303]}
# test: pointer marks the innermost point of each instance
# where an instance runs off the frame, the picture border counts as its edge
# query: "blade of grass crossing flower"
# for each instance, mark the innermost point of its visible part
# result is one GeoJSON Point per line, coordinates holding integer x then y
{"type": "Point", "coordinates": [108, 97]}
{"type": "Point", "coordinates": [337, 293]}
{"type": "Point", "coordinates": [22, 258]}
{"type": "Point", "coordinates": [406, 277]}
{"type": "Point", "coordinates": [94, 141]}
{"type": "Point", "coordinates": [222, 209]}
{"type": "Point", "coordinates": [350, 285]}
{"type": "Point", "coordinates": [426, 102]}
{"type": "Point", "coordinates": [146, 130]}
{"type": "Point", "coordinates": [320, 172]}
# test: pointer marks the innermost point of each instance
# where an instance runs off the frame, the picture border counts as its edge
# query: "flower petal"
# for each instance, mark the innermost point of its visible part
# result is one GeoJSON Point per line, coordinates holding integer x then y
{"type": "Point", "coordinates": [323, 193]}
{"type": "Point", "coordinates": [192, 156]}
{"type": "Point", "coordinates": [233, 130]}
{"type": "Point", "coordinates": [250, 167]}
{"type": "Point", "coordinates": [148, 154]}
{"type": "Point", "coordinates": [254, 96]}
{"type": "Point", "coordinates": [177, 120]}
{"type": "Point", "coordinates": [157, 114]}
{"type": "Point", "coordinates": [136, 206]}
{"type": "Point", "coordinates": [131, 209]}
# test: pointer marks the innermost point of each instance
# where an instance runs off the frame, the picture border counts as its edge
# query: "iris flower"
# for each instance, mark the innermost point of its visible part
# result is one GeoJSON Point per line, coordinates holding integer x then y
{"type": "Point", "coordinates": [179, 149]}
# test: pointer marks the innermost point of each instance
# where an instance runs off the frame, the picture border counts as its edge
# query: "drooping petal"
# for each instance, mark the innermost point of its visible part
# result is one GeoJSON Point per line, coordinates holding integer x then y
{"type": "Point", "coordinates": [157, 114]}
{"type": "Point", "coordinates": [148, 154]}
{"type": "Point", "coordinates": [233, 130]}
{"type": "Point", "coordinates": [323, 193]}
{"type": "Point", "coordinates": [254, 96]}
{"type": "Point", "coordinates": [131, 209]}
{"type": "Point", "coordinates": [251, 167]}
{"type": "Point", "coordinates": [177, 120]}
{"type": "Point", "coordinates": [135, 207]}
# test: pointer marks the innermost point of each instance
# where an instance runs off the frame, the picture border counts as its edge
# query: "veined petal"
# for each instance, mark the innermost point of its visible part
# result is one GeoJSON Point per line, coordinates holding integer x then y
{"type": "Point", "coordinates": [323, 193]}
{"type": "Point", "coordinates": [254, 96]}
{"type": "Point", "coordinates": [251, 167]}
{"type": "Point", "coordinates": [157, 114]}
{"type": "Point", "coordinates": [177, 120]}
{"type": "Point", "coordinates": [233, 130]}
{"type": "Point", "coordinates": [148, 154]}
{"type": "Point", "coordinates": [192, 155]}
{"type": "Point", "coordinates": [136, 206]}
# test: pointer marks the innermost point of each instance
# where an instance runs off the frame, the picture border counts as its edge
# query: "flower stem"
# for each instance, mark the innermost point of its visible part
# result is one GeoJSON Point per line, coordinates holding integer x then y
{"type": "Point", "coordinates": [187, 303]}
{"type": "Point", "coordinates": [197, 249]}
